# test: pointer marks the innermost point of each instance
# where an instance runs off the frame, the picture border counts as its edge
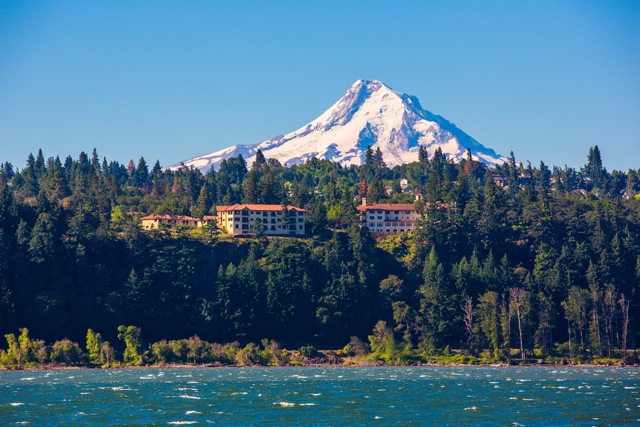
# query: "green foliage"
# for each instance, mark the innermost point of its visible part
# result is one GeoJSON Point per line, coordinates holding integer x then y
{"type": "Point", "coordinates": [73, 257]}
{"type": "Point", "coordinates": [308, 351]}
{"type": "Point", "coordinates": [67, 353]}
{"type": "Point", "coordinates": [133, 353]}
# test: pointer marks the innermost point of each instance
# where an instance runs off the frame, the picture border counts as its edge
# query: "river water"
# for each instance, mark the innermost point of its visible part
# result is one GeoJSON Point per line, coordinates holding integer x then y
{"type": "Point", "coordinates": [421, 396]}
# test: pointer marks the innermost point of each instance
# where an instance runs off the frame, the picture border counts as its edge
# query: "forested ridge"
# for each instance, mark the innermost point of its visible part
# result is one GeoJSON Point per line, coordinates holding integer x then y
{"type": "Point", "coordinates": [548, 265]}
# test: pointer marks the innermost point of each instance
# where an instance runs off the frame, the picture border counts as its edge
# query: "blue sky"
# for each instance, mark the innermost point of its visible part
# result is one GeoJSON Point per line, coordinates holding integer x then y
{"type": "Point", "coordinates": [170, 80]}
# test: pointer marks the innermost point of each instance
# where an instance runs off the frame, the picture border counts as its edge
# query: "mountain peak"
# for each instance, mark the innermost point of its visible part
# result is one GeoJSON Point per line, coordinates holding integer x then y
{"type": "Point", "coordinates": [373, 84]}
{"type": "Point", "coordinates": [369, 113]}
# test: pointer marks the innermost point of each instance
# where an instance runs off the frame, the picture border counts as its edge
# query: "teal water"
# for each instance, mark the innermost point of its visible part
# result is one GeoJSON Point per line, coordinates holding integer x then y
{"type": "Point", "coordinates": [421, 396]}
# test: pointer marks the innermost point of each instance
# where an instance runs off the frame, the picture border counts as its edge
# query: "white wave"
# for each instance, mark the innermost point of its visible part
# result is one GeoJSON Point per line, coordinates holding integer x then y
{"type": "Point", "coordinates": [471, 408]}
{"type": "Point", "coordinates": [16, 403]}
{"type": "Point", "coordinates": [192, 412]}
{"type": "Point", "coordinates": [316, 394]}
{"type": "Point", "coordinates": [377, 418]}
{"type": "Point", "coordinates": [307, 404]}
{"type": "Point", "coordinates": [186, 396]}
{"type": "Point", "coordinates": [182, 423]}
{"type": "Point", "coordinates": [285, 404]}
{"type": "Point", "coordinates": [27, 379]}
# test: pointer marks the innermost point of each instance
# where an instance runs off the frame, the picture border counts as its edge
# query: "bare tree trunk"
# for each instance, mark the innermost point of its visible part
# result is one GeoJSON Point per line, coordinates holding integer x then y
{"type": "Point", "coordinates": [570, 351]}
{"type": "Point", "coordinates": [609, 303]}
{"type": "Point", "coordinates": [624, 305]}
{"type": "Point", "coordinates": [467, 317]}
{"type": "Point", "coordinates": [516, 295]}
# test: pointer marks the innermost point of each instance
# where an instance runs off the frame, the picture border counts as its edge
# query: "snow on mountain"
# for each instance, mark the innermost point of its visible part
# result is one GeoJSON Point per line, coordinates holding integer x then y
{"type": "Point", "coordinates": [368, 114]}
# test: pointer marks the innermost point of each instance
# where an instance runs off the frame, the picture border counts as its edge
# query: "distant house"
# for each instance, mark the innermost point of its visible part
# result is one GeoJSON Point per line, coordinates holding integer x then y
{"type": "Point", "coordinates": [388, 217]}
{"type": "Point", "coordinates": [404, 184]}
{"type": "Point", "coordinates": [208, 218]}
{"type": "Point", "coordinates": [153, 222]}
{"type": "Point", "coordinates": [270, 219]}
{"type": "Point", "coordinates": [499, 180]}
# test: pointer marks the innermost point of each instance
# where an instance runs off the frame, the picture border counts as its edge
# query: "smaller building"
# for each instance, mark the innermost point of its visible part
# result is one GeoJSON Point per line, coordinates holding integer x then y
{"type": "Point", "coordinates": [268, 219]}
{"type": "Point", "coordinates": [499, 180]}
{"type": "Point", "coordinates": [154, 222]}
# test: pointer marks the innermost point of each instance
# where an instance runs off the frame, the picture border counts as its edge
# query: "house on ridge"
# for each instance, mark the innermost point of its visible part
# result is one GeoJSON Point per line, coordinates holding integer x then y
{"type": "Point", "coordinates": [388, 217]}
{"type": "Point", "coordinates": [271, 219]}
{"type": "Point", "coordinates": [153, 222]}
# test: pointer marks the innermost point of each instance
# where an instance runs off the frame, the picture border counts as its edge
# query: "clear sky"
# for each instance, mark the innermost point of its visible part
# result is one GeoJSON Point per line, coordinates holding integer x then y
{"type": "Point", "coordinates": [171, 80]}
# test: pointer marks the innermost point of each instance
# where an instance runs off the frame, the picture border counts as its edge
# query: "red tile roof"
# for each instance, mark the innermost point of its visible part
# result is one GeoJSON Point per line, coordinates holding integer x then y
{"type": "Point", "coordinates": [388, 207]}
{"type": "Point", "coordinates": [169, 217]}
{"type": "Point", "coordinates": [254, 207]}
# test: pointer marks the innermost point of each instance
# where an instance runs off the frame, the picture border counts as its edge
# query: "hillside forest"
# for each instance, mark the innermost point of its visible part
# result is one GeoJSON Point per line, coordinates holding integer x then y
{"type": "Point", "coordinates": [520, 260]}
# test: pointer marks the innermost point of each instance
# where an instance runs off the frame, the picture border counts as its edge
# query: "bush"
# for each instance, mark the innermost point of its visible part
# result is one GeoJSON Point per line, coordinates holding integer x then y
{"type": "Point", "coordinates": [66, 352]}
{"type": "Point", "coordinates": [308, 351]}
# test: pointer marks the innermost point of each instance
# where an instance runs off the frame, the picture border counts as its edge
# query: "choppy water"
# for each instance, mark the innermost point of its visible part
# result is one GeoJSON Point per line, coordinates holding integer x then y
{"type": "Point", "coordinates": [468, 396]}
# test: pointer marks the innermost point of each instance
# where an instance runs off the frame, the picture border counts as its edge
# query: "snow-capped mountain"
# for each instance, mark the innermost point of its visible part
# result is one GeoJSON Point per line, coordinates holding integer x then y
{"type": "Point", "coordinates": [368, 114]}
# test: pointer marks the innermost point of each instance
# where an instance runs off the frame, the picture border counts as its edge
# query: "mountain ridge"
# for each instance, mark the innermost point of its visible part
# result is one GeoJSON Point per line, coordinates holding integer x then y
{"type": "Point", "coordinates": [368, 114]}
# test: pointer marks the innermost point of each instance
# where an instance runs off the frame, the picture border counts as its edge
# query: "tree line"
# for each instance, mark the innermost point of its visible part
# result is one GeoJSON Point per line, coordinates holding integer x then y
{"type": "Point", "coordinates": [538, 261]}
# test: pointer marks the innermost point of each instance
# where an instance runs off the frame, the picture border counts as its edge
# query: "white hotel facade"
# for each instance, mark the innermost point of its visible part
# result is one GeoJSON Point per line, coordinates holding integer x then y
{"type": "Point", "coordinates": [244, 219]}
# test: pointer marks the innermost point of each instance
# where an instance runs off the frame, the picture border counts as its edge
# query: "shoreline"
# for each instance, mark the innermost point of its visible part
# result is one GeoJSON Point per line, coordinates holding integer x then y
{"type": "Point", "coordinates": [318, 365]}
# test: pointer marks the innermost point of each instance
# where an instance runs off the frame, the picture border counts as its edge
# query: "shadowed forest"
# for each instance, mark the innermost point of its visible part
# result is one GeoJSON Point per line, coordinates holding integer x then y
{"type": "Point", "coordinates": [535, 261]}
